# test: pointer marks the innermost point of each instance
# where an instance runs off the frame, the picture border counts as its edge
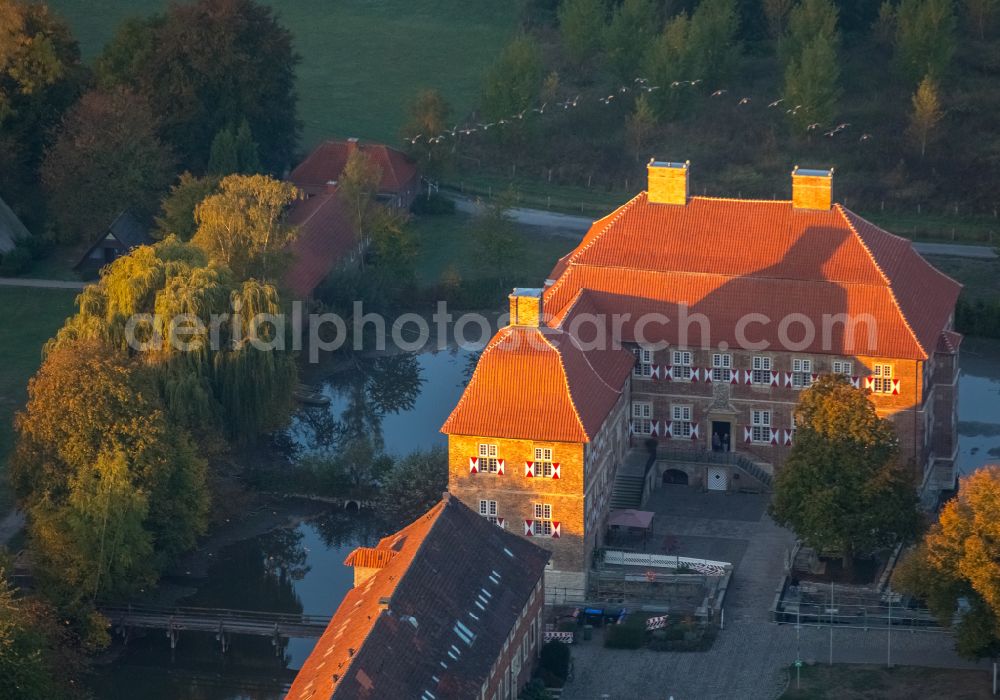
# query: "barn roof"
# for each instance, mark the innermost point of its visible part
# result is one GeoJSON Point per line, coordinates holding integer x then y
{"type": "Point", "coordinates": [325, 237]}
{"type": "Point", "coordinates": [433, 619]}
{"type": "Point", "coordinates": [323, 167]}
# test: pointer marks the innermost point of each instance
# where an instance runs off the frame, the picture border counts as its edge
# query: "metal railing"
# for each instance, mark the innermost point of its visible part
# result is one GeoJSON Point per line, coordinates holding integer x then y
{"type": "Point", "coordinates": [215, 620]}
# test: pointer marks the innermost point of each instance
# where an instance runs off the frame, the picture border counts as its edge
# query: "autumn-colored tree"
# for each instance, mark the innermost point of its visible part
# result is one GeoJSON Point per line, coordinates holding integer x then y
{"type": "Point", "coordinates": [358, 185]}
{"type": "Point", "coordinates": [925, 38]}
{"type": "Point", "coordinates": [206, 64]}
{"type": "Point", "coordinates": [842, 487]}
{"type": "Point", "coordinates": [40, 77]}
{"type": "Point", "coordinates": [428, 118]}
{"type": "Point", "coordinates": [812, 83]}
{"type": "Point", "coordinates": [926, 115]}
{"type": "Point", "coordinates": [959, 560]}
{"type": "Point", "coordinates": [106, 158]}
{"type": "Point", "coordinates": [632, 28]}
{"type": "Point", "coordinates": [242, 225]}
{"type": "Point", "coordinates": [113, 490]}
{"type": "Point", "coordinates": [514, 80]}
{"type": "Point", "coordinates": [581, 23]}
{"type": "Point", "coordinates": [177, 209]}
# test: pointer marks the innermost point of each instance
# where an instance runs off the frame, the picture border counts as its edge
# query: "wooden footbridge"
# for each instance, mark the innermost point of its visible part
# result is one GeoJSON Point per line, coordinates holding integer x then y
{"type": "Point", "coordinates": [219, 621]}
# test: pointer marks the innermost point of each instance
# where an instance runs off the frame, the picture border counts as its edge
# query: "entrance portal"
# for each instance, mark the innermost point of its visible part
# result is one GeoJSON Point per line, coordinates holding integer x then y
{"type": "Point", "coordinates": [675, 476]}
{"type": "Point", "coordinates": [723, 430]}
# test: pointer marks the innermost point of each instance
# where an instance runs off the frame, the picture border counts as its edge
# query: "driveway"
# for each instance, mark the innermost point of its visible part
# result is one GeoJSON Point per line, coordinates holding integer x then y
{"type": "Point", "coordinates": [750, 656]}
{"type": "Point", "coordinates": [40, 284]}
{"type": "Point", "coordinates": [569, 225]}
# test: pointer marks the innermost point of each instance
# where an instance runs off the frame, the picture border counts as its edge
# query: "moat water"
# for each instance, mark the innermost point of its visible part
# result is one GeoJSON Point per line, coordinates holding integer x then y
{"type": "Point", "coordinates": [406, 398]}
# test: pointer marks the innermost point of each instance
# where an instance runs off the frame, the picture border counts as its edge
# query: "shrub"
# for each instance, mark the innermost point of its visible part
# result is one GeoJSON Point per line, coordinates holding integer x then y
{"type": "Point", "coordinates": [434, 205]}
{"type": "Point", "coordinates": [628, 635]}
{"type": "Point", "coordinates": [535, 690]}
{"type": "Point", "coordinates": [16, 261]}
{"type": "Point", "coordinates": [554, 662]}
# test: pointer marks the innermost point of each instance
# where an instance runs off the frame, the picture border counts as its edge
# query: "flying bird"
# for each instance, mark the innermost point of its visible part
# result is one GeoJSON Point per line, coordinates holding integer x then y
{"type": "Point", "coordinates": [744, 101]}
{"type": "Point", "coordinates": [865, 137]}
{"type": "Point", "coordinates": [776, 102]}
{"type": "Point", "coordinates": [719, 93]}
{"type": "Point", "coordinates": [813, 126]}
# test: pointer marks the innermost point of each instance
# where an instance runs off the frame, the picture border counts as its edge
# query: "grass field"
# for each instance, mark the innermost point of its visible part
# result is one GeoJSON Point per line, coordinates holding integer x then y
{"type": "Point", "coordinates": [849, 682]}
{"type": "Point", "coordinates": [450, 239]}
{"type": "Point", "coordinates": [361, 59]}
{"type": "Point", "coordinates": [28, 317]}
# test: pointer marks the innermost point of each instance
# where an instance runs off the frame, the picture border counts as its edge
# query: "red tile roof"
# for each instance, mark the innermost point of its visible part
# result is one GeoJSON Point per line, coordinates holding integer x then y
{"type": "Point", "coordinates": [727, 258]}
{"type": "Point", "coordinates": [537, 383]}
{"type": "Point", "coordinates": [326, 163]}
{"type": "Point", "coordinates": [369, 557]}
{"type": "Point", "coordinates": [397, 634]}
{"type": "Point", "coordinates": [325, 237]}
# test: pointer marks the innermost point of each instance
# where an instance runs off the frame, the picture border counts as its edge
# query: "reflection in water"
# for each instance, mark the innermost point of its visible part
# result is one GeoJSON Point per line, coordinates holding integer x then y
{"type": "Point", "coordinates": [291, 570]}
{"type": "Point", "coordinates": [398, 402]}
{"type": "Point", "coordinates": [979, 405]}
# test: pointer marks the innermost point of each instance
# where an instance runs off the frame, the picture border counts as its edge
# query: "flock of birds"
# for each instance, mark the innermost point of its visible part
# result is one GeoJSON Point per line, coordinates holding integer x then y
{"type": "Point", "coordinates": [639, 85]}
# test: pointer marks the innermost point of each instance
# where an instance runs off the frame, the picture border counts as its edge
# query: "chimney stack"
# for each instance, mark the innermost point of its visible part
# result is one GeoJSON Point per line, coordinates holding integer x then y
{"type": "Point", "coordinates": [352, 145]}
{"type": "Point", "coordinates": [812, 189]}
{"type": "Point", "coordinates": [526, 307]}
{"type": "Point", "coordinates": [667, 182]}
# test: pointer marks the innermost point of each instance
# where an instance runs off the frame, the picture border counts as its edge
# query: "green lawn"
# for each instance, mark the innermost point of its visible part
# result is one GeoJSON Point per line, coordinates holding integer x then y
{"type": "Point", "coordinates": [28, 317]}
{"type": "Point", "coordinates": [361, 59]}
{"type": "Point", "coordinates": [857, 682]}
{"type": "Point", "coordinates": [450, 240]}
{"type": "Point", "coordinates": [981, 278]}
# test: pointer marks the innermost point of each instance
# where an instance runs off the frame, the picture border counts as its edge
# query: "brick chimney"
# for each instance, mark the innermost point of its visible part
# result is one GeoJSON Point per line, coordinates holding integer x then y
{"type": "Point", "coordinates": [352, 145]}
{"type": "Point", "coordinates": [812, 189]}
{"type": "Point", "coordinates": [526, 307]}
{"type": "Point", "coordinates": [667, 183]}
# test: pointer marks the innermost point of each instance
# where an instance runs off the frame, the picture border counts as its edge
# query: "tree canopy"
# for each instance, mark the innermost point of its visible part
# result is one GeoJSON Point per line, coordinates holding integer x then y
{"type": "Point", "coordinates": [514, 81]}
{"type": "Point", "coordinates": [106, 158]}
{"type": "Point", "coordinates": [842, 487]}
{"type": "Point", "coordinates": [959, 558]}
{"type": "Point", "coordinates": [242, 227]}
{"type": "Point", "coordinates": [205, 65]}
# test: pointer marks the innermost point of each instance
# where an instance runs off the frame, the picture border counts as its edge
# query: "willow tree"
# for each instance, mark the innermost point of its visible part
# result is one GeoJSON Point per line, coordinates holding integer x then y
{"type": "Point", "coordinates": [242, 225]}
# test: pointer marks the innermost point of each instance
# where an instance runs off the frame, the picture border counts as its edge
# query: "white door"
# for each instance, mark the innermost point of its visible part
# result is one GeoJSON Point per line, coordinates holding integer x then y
{"type": "Point", "coordinates": [718, 479]}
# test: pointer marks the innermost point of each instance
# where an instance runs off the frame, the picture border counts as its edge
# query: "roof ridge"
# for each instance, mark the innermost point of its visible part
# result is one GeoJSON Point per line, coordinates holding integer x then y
{"type": "Point", "coordinates": [576, 343]}
{"type": "Point", "coordinates": [738, 199]}
{"type": "Point", "coordinates": [610, 219]}
{"type": "Point", "coordinates": [888, 282]}
{"type": "Point", "coordinates": [569, 390]}
{"type": "Point", "coordinates": [496, 340]}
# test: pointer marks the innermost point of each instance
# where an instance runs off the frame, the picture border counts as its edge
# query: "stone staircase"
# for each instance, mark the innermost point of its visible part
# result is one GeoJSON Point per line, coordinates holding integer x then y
{"type": "Point", "coordinates": [733, 459]}
{"type": "Point", "coordinates": [627, 492]}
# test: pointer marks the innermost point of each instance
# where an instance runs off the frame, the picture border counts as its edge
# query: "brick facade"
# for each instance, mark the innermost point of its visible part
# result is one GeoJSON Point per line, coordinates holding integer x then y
{"type": "Point", "coordinates": [514, 665]}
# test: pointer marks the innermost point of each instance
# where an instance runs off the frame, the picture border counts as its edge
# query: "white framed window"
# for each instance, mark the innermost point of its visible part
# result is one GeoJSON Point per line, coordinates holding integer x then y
{"type": "Point", "coordinates": [542, 524]}
{"type": "Point", "coordinates": [801, 373]}
{"type": "Point", "coordinates": [488, 509]}
{"type": "Point", "coordinates": [882, 379]}
{"type": "Point", "coordinates": [488, 461]}
{"type": "Point", "coordinates": [543, 462]}
{"type": "Point", "coordinates": [843, 367]}
{"type": "Point", "coordinates": [642, 417]}
{"type": "Point", "coordinates": [681, 365]}
{"type": "Point", "coordinates": [760, 370]}
{"type": "Point", "coordinates": [760, 426]}
{"type": "Point", "coordinates": [643, 363]}
{"type": "Point", "coordinates": [680, 420]}
{"type": "Point", "coordinates": [722, 367]}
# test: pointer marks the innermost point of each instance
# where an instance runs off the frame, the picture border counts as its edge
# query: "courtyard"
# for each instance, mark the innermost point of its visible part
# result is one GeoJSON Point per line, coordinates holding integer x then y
{"type": "Point", "coordinates": [751, 655]}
